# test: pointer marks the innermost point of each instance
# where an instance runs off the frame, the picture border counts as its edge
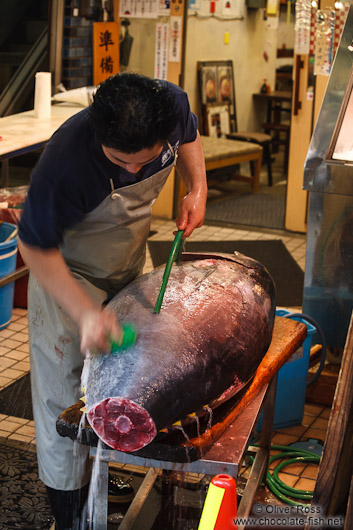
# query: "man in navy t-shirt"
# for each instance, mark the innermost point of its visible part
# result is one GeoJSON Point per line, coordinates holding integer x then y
{"type": "Point", "coordinates": [83, 234]}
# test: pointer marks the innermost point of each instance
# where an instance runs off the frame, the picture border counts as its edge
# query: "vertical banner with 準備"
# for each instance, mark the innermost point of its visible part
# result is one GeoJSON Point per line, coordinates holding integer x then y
{"type": "Point", "coordinates": [105, 50]}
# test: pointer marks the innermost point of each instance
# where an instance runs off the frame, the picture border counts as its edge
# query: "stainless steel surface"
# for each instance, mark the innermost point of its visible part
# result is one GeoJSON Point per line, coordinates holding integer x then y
{"type": "Point", "coordinates": [262, 453]}
{"type": "Point", "coordinates": [227, 452]}
{"type": "Point", "coordinates": [225, 456]}
{"type": "Point", "coordinates": [268, 412]}
{"type": "Point", "coordinates": [100, 502]}
{"type": "Point", "coordinates": [320, 175]}
{"type": "Point", "coordinates": [328, 283]}
{"type": "Point", "coordinates": [231, 446]}
{"type": "Point", "coordinates": [139, 499]}
{"type": "Point", "coordinates": [257, 472]}
{"type": "Point", "coordinates": [203, 466]}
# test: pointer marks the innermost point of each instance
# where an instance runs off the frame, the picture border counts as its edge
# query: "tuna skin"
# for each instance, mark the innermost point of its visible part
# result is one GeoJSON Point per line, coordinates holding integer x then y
{"type": "Point", "coordinates": [213, 330]}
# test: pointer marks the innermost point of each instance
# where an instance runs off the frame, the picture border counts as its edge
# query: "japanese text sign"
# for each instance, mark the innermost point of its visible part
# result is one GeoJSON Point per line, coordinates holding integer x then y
{"type": "Point", "coordinates": [105, 50]}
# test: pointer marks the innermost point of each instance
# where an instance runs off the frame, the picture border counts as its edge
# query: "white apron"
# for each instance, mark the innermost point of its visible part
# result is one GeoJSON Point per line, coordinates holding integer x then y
{"type": "Point", "coordinates": [105, 252]}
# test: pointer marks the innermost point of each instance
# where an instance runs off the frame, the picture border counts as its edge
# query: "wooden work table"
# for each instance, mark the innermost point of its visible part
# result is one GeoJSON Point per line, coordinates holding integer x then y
{"type": "Point", "coordinates": [23, 132]}
{"type": "Point", "coordinates": [276, 95]}
{"type": "Point", "coordinates": [273, 100]}
{"type": "Point", "coordinates": [221, 152]}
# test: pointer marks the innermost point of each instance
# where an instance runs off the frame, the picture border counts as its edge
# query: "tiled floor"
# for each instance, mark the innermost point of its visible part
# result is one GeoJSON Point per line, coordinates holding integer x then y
{"type": "Point", "coordinates": [313, 427]}
{"type": "Point", "coordinates": [14, 356]}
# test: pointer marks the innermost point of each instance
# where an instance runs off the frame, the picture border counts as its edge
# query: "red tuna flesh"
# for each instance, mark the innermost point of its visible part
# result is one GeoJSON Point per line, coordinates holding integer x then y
{"type": "Point", "coordinates": [214, 327]}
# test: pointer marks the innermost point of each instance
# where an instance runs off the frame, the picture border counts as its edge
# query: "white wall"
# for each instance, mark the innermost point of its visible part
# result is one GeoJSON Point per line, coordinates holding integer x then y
{"type": "Point", "coordinates": [142, 52]}
{"type": "Point", "coordinates": [249, 39]}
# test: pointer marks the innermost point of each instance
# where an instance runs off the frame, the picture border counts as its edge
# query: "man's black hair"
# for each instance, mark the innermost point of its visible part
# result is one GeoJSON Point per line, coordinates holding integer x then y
{"type": "Point", "coordinates": [131, 112]}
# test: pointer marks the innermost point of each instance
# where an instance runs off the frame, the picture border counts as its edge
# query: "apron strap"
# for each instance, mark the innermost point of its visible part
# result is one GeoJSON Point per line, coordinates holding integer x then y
{"type": "Point", "coordinates": [174, 153]}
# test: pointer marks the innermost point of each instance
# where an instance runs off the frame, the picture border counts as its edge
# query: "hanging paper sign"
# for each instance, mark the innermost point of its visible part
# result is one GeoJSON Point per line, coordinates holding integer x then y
{"type": "Point", "coordinates": [175, 26]}
{"type": "Point", "coordinates": [161, 55]}
{"type": "Point", "coordinates": [194, 5]}
{"type": "Point", "coordinates": [324, 41]}
{"type": "Point", "coordinates": [233, 8]}
{"type": "Point", "coordinates": [302, 26]}
{"type": "Point", "coordinates": [164, 7]}
{"type": "Point", "coordinates": [313, 30]}
{"type": "Point", "coordinates": [340, 20]}
{"type": "Point", "coordinates": [105, 50]}
{"type": "Point", "coordinates": [139, 8]}
{"type": "Point", "coordinates": [126, 8]}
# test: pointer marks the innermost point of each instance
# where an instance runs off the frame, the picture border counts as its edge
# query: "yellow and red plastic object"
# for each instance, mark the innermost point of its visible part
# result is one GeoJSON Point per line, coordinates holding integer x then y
{"type": "Point", "coordinates": [220, 508]}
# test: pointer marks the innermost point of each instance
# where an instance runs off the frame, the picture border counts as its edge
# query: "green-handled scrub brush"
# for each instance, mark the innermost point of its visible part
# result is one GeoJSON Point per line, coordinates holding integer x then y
{"type": "Point", "coordinates": [127, 340]}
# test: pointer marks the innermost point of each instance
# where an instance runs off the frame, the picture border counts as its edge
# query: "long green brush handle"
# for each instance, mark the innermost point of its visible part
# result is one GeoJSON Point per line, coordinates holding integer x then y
{"type": "Point", "coordinates": [174, 255]}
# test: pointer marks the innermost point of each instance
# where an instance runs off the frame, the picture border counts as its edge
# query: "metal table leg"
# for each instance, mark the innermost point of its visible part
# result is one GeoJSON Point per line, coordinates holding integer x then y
{"type": "Point", "coordinates": [260, 463]}
{"type": "Point", "coordinates": [100, 503]}
{"type": "Point", "coordinates": [139, 499]}
{"type": "Point", "coordinates": [268, 414]}
{"type": "Point", "coordinates": [4, 172]}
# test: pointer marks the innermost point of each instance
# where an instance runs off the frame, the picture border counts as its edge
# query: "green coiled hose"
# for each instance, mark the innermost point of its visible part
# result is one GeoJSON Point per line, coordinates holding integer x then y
{"type": "Point", "coordinates": [277, 486]}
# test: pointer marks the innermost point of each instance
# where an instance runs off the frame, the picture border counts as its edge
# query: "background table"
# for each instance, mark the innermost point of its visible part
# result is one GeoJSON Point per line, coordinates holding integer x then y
{"type": "Point", "coordinates": [274, 101]}
{"type": "Point", "coordinates": [220, 152]}
{"type": "Point", "coordinates": [23, 132]}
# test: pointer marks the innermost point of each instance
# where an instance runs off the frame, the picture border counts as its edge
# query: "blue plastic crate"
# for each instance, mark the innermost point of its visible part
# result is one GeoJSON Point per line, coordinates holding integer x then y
{"type": "Point", "coordinates": [292, 382]}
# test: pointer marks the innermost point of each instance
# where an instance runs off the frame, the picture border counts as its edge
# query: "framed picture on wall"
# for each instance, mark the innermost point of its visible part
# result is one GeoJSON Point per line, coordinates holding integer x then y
{"type": "Point", "coordinates": [217, 120]}
{"type": "Point", "coordinates": [209, 84]}
{"type": "Point", "coordinates": [216, 86]}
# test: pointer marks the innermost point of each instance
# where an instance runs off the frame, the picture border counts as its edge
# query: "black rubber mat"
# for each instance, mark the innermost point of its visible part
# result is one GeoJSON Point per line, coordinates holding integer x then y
{"type": "Point", "coordinates": [16, 399]}
{"type": "Point", "coordinates": [287, 275]}
{"type": "Point", "coordinates": [253, 209]}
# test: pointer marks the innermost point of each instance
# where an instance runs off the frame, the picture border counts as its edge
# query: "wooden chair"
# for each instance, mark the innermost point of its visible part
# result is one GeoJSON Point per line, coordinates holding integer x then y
{"type": "Point", "coordinates": [259, 138]}
{"type": "Point", "coordinates": [277, 123]}
{"type": "Point", "coordinates": [277, 129]}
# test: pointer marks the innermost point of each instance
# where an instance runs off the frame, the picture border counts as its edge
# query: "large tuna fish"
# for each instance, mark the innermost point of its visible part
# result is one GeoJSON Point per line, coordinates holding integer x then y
{"type": "Point", "coordinates": [214, 327]}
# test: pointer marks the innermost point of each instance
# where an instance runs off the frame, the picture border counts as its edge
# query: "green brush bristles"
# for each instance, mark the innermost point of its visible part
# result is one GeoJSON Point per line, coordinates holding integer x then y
{"type": "Point", "coordinates": [128, 340]}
